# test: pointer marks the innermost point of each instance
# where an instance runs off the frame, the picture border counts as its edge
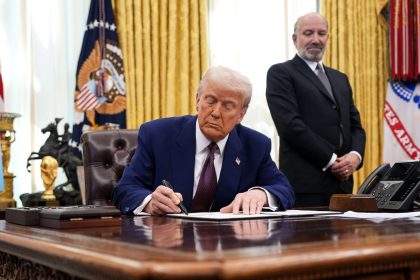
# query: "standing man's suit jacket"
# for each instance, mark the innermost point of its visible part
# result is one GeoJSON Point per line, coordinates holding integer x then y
{"type": "Point", "coordinates": [166, 150]}
{"type": "Point", "coordinates": [309, 123]}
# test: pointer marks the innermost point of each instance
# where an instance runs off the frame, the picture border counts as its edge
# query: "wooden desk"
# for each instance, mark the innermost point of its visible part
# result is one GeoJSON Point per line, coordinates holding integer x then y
{"type": "Point", "coordinates": [167, 248]}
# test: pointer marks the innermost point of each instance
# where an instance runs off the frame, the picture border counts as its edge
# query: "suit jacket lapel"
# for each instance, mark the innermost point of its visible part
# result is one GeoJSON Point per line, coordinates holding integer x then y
{"type": "Point", "coordinates": [230, 174]}
{"type": "Point", "coordinates": [183, 160]}
{"type": "Point", "coordinates": [311, 76]}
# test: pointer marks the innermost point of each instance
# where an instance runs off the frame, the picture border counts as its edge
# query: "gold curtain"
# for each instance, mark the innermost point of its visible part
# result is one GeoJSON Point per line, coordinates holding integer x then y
{"type": "Point", "coordinates": [164, 44]}
{"type": "Point", "coordinates": [358, 47]}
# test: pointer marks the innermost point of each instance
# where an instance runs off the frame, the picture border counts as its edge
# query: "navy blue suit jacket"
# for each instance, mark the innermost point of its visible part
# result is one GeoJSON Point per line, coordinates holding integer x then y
{"type": "Point", "coordinates": [166, 150]}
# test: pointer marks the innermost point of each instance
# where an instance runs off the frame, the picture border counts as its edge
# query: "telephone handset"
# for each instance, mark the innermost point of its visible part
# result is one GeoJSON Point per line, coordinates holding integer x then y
{"type": "Point", "coordinates": [395, 188]}
{"type": "Point", "coordinates": [373, 179]}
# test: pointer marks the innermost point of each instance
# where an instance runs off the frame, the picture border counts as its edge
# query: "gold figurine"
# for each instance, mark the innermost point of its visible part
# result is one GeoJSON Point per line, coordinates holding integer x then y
{"type": "Point", "coordinates": [49, 167]}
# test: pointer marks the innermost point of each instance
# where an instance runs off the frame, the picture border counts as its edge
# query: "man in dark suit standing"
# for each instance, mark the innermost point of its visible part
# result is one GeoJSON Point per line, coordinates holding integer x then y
{"type": "Point", "coordinates": [322, 141]}
{"type": "Point", "coordinates": [213, 162]}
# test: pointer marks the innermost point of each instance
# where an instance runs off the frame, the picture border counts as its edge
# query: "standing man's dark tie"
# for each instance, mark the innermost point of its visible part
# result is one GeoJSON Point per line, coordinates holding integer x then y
{"type": "Point", "coordinates": [207, 184]}
{"type": "Point", "coordinates": [324, 79]}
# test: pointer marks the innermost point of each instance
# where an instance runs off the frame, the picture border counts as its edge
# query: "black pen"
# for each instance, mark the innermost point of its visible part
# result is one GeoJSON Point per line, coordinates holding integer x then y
{"type": "Point", "coordinates": [180, 205]}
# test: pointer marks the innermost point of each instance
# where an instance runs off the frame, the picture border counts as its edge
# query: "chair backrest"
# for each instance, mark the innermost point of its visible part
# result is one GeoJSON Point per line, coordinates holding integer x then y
{"type": "Point", "coordinates": [105, 154]}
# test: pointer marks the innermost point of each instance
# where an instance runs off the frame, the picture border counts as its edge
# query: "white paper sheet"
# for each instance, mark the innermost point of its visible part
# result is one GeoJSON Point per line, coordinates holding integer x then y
{"type": "Point", "coordinates": [373, 216]}
{"type": "Point", "coordinates": [217, 216]}
{"type": "Point", "coordinates": [379, 216]}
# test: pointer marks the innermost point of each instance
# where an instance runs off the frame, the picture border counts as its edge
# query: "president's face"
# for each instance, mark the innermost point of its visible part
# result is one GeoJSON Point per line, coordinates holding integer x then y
{"type": "Point", "coordinates": [219, 111]}
{"type": "Point", "coordinates": [311, 37]}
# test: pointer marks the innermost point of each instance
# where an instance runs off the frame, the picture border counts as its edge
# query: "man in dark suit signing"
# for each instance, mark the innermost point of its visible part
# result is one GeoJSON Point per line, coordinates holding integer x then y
{"type": "Point", "coordinates": [322, 141]}
{"type": "Point", "coordinates": [213, 162]}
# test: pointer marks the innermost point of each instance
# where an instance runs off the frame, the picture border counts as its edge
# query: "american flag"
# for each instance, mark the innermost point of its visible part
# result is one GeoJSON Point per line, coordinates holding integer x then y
{"type": "Point", "coordinates": [100, 85]}
{"type": "Point", "coordinates": [87, 99]}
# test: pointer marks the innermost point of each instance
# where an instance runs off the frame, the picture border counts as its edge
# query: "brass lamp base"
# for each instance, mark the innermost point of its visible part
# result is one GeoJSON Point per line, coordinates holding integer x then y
{"type": "Point", "coordinates": [7, 137]}
{"type": "Point", "coordinates": [6, 197]}
{"type": "Point", "coordinates": [11, 203]}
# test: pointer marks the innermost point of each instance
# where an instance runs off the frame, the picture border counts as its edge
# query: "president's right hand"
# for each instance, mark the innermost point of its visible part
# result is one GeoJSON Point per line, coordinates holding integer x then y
{"type": "Point", "coordinates": [164, 200]}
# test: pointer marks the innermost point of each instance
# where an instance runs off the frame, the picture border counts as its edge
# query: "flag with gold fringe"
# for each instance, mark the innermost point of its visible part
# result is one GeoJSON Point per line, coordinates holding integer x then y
{"type": "Point", "coordinates": [99, 99]}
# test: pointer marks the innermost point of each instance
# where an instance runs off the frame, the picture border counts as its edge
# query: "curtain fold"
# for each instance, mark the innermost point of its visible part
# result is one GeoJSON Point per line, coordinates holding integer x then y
{"type": "Point", "coordinates": [358, 47]}
{"type": "Point", "coordinates": [165, 52]}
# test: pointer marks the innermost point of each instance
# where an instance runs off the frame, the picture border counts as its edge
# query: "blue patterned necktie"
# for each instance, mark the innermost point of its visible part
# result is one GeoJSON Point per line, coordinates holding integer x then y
{"type": "Point", "coordinates": [207, 184]}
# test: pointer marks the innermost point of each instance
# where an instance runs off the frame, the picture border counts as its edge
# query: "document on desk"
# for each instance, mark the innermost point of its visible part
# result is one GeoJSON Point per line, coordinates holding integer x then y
{"type": "Point", "coordinates": [379, 216]}
{"type": "Point", "coordinates": [217, 216]}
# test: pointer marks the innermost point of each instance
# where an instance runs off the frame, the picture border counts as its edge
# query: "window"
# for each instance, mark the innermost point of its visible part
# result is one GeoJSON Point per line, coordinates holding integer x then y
{"type": "Point", "coordinates": [250, 36]}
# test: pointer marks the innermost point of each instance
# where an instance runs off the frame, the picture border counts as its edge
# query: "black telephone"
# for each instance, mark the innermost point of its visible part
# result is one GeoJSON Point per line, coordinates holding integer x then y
{"type": "Point", "coordinates": [395, 188]}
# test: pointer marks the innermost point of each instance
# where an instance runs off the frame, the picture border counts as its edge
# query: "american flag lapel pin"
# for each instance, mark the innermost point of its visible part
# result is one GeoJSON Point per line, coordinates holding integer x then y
{"type": "Point", "coordinates": [238, 161]}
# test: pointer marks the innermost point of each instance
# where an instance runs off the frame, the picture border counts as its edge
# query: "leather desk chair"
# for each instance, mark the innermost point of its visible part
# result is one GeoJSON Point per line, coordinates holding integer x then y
{"type": "Point", "coordinates": [105, 154]}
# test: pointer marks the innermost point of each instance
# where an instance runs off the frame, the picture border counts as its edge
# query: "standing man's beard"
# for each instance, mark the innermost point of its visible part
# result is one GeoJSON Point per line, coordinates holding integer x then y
{"type": "Point", "coordinates": [304, 53]}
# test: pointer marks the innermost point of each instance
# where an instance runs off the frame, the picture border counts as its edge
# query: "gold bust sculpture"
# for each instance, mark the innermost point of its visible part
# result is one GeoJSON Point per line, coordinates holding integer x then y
{"type": "Point", "coordinates": [49, 167]}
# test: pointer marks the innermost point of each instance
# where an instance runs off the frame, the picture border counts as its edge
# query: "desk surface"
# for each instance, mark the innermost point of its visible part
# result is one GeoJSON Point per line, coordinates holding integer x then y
{"type": "Point", "coordinates": [292, 248]}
